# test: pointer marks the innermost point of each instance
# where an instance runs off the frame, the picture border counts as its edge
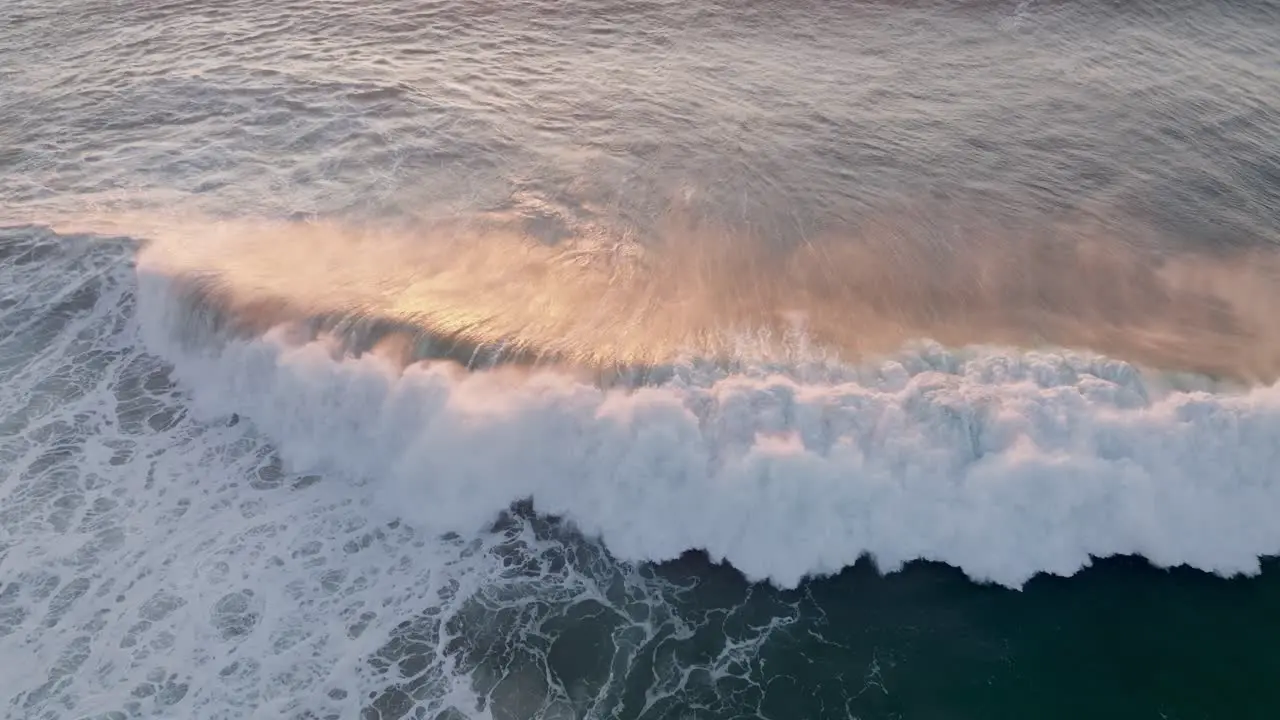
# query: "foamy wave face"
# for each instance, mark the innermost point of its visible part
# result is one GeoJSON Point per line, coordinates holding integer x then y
{"type": "Point", "coordinates": [1002, 463]}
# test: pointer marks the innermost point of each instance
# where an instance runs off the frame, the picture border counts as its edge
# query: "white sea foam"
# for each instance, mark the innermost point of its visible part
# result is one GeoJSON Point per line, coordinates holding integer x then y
{"type": "Point", "coordinates": [160, 559]}
{"type": "Point", "coordinates": [1000, 462]}
{"type": "Point", "coordinates": [156, 564]}
{"type": "Point", "coordinates": [152, 565]}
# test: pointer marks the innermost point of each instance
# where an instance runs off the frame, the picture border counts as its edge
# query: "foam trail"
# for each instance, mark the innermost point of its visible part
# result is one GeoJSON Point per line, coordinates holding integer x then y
{"type": "Point", "coordinates": [157, 566]}
{"type": "Point", "coordinates": [1002, 463]}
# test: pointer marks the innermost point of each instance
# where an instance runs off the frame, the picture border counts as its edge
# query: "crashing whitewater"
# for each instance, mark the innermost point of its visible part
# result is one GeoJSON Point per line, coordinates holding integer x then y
{"type": "Point", "coordinates": [1002, 462]}
{"type": "Point", "coordinates": [271, 504]}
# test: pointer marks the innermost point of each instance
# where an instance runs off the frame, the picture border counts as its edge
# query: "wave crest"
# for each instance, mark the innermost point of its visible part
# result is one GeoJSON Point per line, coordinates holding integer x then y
{"type": "Point", "coordinates": [1003, 463]}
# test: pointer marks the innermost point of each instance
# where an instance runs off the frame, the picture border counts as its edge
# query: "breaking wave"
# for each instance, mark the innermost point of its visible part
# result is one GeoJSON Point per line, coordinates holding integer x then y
{"type": "Point", "coordinates": [1000, 461]}
{"type": "Point", "coordinates": [274, 504]}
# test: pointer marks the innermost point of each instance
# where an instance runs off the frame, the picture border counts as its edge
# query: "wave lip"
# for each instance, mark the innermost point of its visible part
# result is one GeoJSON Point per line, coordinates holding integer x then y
{"type": "Point", "coordinates": [1003, 463]}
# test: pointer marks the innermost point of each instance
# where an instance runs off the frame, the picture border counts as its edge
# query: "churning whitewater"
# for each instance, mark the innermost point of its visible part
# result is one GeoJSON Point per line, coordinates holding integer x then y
{"type": "Point", "coordinates": [1001, 462]}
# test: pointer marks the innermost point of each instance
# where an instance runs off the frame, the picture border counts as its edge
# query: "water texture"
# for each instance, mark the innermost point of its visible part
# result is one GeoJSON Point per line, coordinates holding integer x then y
{"type": "Point", "coordinates": [412, 359]}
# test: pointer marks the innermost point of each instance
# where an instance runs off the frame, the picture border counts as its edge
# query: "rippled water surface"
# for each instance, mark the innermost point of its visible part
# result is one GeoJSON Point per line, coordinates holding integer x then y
{"type": "Point", "coordinates": [596, 359]}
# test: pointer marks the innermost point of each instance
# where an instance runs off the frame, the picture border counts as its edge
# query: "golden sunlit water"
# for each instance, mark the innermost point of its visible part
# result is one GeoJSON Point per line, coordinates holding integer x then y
{"type": "Point", "coordinates": [598, 299]}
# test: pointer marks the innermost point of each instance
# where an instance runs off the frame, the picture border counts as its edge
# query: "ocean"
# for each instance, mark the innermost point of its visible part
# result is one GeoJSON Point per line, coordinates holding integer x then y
{"type": "Point", "coordinates": [515, 359]}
